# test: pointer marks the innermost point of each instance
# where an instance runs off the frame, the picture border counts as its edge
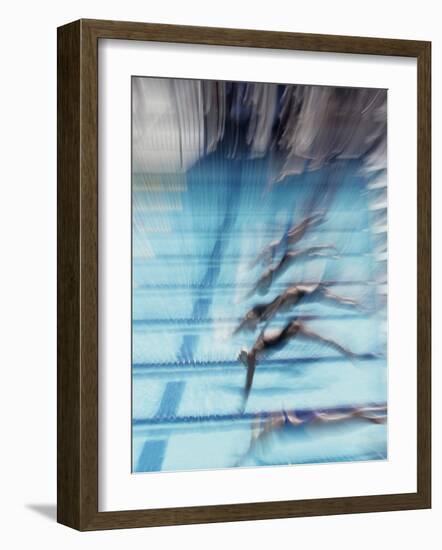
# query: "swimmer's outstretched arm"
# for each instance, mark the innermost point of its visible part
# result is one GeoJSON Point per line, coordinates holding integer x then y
{"type": "Point", "coordinates": [263, 283]}
{"type": "Point", "coordinates": [253, 290]}
{"type": "Point", "coordinates": [261, 430]}
{"type": "Point", "coordinates": [297, 232]}
{"type": "Point", "coordinates": [294, 235]}
{"type": "Point", "coordinates": [248, 358]}
{"type": "Point", "coordinates": [251, 366]}
{"type": "Point", "coordinates": [272, 423]}
{"type": "Point", "coordinates": [243, 324]}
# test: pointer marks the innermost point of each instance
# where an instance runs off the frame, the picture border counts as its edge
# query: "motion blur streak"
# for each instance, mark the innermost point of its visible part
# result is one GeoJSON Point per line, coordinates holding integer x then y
{"type": "Point", "coordinates": [259, 269]}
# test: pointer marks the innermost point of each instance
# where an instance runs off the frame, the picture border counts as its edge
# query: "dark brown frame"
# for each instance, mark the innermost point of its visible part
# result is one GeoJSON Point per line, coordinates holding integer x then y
{"type": "Point", "coordinates": [77, 225]}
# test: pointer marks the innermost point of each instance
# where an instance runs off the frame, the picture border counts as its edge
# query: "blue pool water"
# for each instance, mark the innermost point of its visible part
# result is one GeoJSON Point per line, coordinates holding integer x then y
{"type": "Point", "coordinates": [194, 238]}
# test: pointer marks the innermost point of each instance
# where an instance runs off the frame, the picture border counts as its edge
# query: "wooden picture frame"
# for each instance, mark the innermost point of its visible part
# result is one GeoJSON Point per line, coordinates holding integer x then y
{"type": "Point", "coordinates": [78, 274]}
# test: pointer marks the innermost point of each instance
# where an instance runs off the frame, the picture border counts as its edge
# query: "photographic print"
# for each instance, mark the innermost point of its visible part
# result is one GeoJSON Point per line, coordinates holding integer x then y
{"type": "Point", "coordinates": [259, 274]}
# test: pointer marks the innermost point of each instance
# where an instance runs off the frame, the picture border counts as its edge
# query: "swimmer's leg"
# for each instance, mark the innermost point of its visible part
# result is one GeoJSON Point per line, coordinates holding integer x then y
{"type": "Point", "coordinates": [311, 335]}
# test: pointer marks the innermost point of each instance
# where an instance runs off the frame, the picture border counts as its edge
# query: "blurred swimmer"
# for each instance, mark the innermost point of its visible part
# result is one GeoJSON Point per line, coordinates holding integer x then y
{"type": "Point", "coordinates": [288, 300]}
{"type": "Point", "coordinates": [269, 343]}
{"type": "Point", "coordinates": [262, 428]}
{"type": "Point", "coordinates": [290, 237]}
{"type": "Point", "coordinates": [288, 259]}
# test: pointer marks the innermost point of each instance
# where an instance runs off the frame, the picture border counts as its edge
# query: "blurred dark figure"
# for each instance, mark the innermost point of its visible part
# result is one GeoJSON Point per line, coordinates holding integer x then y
{"type": "Point", "coordinates": [287, 260]}
{"type": "Point", "coordinates": [262, 428]}
{"type": "Point", "coordinates": [288, 300]}
{"type": "Point", "coordinates": [290, 237]}
{"type": "Point", "coordinates": [267, 343]}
